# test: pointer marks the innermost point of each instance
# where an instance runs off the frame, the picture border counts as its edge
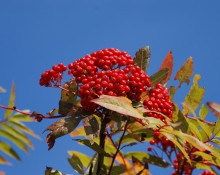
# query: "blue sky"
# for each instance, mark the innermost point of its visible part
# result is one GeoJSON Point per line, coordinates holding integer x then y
{"type": "Point", "coordinates": [34, 35]}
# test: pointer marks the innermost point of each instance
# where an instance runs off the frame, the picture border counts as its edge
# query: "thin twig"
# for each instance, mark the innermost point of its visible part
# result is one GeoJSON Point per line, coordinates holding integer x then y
{"type": "Point", "coordinates": [118, 148]}
{"type": "Point", "coordinates": [33, 114]}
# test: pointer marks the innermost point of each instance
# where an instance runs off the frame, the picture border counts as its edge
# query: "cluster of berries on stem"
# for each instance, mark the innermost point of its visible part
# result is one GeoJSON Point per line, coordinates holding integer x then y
{"type": "Point", "coordinates": [159, 101]}
{"type": "Point", "coordinates": [110, 72]}
{"type": "Point", "coordinates": [53, 77]}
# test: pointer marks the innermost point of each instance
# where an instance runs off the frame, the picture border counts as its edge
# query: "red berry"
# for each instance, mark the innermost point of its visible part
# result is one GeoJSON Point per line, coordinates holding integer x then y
{"type": "Point", "coordinates": [149, 148]}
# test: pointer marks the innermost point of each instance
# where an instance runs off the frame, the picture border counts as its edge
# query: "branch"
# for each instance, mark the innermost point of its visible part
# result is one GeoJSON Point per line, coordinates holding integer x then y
{"type": "Point", "coordinates": [102, 136]}
{"type": "Point", "coordinates": [38, 117]}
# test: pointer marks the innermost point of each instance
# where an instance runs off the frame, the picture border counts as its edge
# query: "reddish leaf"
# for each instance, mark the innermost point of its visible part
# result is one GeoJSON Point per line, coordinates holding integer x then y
{"type": "Point", "coordinates": [215, 108]}
{"type": "Point", "coordinates": [2, 173]}
{"type": "Point", "coordinates": [167, 63]}
{"type": "Point", "coordinates": [61, 128]}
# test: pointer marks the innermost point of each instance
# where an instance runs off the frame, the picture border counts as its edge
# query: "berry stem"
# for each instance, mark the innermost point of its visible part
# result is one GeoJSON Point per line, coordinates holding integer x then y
{"type": "Point", "coordinates": [118, 148]}
{"type": "Point", "coordinates": [67, 90]}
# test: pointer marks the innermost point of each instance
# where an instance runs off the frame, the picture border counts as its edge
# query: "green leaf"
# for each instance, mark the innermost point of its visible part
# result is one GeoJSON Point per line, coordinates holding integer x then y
{"type": "Point", "coordinates": [194, 97]}
{"type": "Point", "coordinates": [178, 117]}
{"type": "Point", "coordinates": [167, 131]}
{"type": "Point", "coordinates": [7, 149]}
{"type": "Point", "coordinates": [93, 164]}
{"type": "Point", "coordinates": [2, 89]}
{"type": "Point", "coordinates": [193, 127]}
{"type": "Point", "coordinates": [185, 72]}
{"type": "Point", "coordinates": [205, 167]}
{"type": "Point", "coordinates": [13, 139]}
{"type": "Point", "coordinates": [216, 141]}
{"type": "Point", "coordinates": [206, 128]}
{"type": "Point", "coordinates": [93, 146]}
{"type": "Point", "coordinates": [204, 155]}
{"type": "Point", "coordinates": [21, 117]}
{"type": "Point", "coordinates": [109, 147]}
{"type": "Point", "coordinates": [203, 111]}
{"type": "Point", "coordinates": [23, 128]}
{"type": "Point", "coordinates": [61, 128]}
{"type": "Point", "coordinates": [50, 171]}
{"type": "Point", "coordinates": [159, 76]}
{"type": "Point", "coordinates": [3, 161]}
{"type": "Point", "coordinates": [18, 134]}
{"type": "Point", "coordinates": [83, 157]}
{"type": "Point", "coordinates": [68, 98]}
{"type": "Point", "coordinates": [116, 170]}
{"type": "Point", "coordinates": [167, 63]}
{"type": "Point", "coordinates": [76, 163]}
{"type": "Point", "coordinates": [217, 128]}
{"type": "Point", "coordinates": [145, 157]}
{"type": "Point", "coordinates": [142, 58]}
{"type": "Point", "coordinates": [172, 91]}
{"type": "Point", "coordinates": [191, 140]}
{"type": "Point", "coordinates": [8, 112]}
{"type": "Point", "coordinates": [121, 105]}
{"type": "Point", "coordinates": [91, 127]}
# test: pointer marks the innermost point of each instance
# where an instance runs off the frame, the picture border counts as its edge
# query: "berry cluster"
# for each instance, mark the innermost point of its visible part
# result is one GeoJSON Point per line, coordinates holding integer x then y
{"type": "Point", "coordinates": [159, 101]}
{"type": "Point", "coordinates": [109, 72]}
{"type": "Point", "coordinates": [180, 165]}
{"type": "Point", "coordinates": [106, 59]}
{"type": "Point", "coordinates": [53, 77]}
{"type": "Point", "coordinates": [160, 141]}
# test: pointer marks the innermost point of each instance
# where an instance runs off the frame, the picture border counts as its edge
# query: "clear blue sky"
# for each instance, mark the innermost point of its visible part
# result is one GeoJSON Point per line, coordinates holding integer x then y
{"type": "Point", "coordinates": [36, 34]}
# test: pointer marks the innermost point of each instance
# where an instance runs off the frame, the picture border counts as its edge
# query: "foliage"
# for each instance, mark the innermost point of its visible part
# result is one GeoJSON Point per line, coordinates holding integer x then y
{"type": "Point", "coordinates": [116, 115]}
{"type": "Point", "coordinates": [13, 132]}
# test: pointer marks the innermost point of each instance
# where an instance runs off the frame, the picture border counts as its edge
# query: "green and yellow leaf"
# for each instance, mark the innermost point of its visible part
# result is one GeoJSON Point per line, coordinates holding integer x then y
{"type": "Point", "coordinates": [185, 72]}
{"type": "Point", "coordinates": [194, 97]}
{"type": "Point", "coordinates": [142, 58]}
{"type": "Point", "coordinates": [8, 112]}
{"type": "Point", "coordinates": [7, 149]}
